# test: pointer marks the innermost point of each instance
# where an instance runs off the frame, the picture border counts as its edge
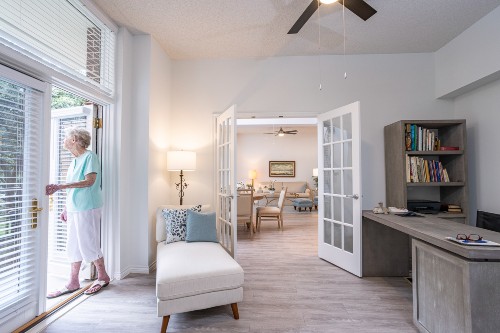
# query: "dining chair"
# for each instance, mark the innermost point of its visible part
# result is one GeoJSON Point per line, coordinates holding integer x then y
{"type": "Point", "coordinates": [272, 212]}
{"type": "Point", "coordinates": [244, 209]}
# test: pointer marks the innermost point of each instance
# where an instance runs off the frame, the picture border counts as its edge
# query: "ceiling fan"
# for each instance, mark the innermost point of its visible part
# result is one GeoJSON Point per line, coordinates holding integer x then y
{"type": "Point", "coordinates": [281, 132]}
{"type": "Point", "coordinates": [358, 7]}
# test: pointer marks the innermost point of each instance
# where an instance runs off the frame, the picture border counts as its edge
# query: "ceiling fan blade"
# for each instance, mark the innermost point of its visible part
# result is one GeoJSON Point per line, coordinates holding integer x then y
{"type": "Point", "coordinates": [359, 7]}
{"type": "Point", "coordinates": [306, 15]}
{"type": "Point", "coordinates": [269, 133]}
{"type": "Point", "coordinates": [291, 132]}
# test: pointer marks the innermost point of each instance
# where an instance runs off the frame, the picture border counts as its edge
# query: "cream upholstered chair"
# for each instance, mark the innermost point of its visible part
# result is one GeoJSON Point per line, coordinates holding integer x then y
{"type": "Point", "coordinates": [244, 208]}
{"type": "Point", "coordinates": [272, 212]}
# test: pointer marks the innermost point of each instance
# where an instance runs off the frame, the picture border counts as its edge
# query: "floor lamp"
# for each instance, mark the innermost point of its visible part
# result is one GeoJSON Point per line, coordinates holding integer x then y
{"type": "Point", "coordinates": [181, 160]}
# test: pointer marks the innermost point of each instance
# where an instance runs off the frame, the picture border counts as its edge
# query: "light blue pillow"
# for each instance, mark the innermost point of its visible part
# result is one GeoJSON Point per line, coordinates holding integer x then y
{"type": "Point", "coordinates": [200, 227]}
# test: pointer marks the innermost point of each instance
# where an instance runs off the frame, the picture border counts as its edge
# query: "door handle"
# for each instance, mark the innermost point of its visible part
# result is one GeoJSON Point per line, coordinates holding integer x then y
{"type": "Point", "coordinates": [34, 213]}
{"type": "Point", "coordinates": [354, 196]}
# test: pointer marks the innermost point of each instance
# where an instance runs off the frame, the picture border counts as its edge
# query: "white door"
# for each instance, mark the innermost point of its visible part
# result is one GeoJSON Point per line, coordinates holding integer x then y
{"type": "Point", "coordinates": [62, 119]}
{"type": "Point", "coordinates": [339, 188]}
{"type": "Point", "coordinates": [24, 134]}
{"type": "Point", "coordinates": [226, 180]}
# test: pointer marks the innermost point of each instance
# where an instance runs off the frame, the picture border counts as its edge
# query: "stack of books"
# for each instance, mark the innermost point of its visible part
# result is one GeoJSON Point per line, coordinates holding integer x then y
{"type": "Point", "coordinates": [420, 170]}
{"type": "Point", "coordinates": [418, 138]}
{"type": "Point", "coordinates": [454, 209]}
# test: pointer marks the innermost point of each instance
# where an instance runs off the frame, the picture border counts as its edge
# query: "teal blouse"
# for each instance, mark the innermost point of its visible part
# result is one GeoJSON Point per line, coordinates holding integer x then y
{"type": "Point", "coordinates": [86, 198]}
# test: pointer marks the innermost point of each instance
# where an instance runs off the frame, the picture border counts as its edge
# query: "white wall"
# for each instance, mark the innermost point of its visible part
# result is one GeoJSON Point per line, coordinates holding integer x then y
{"type": "Point", "coordinates": [255, 150]}
{"type": "Point", "coordinates": [144, 95]}
{"type": "Point", "coordinates": [481, 110]}
{"type": "Point", "coordinates": [389, 87]}
{"type": "Point", "coordinates": [159, 111]}
{"type": "Point", "coordinates": [471, 59]}
{"type": "Point", "coordinates": [134, 152]}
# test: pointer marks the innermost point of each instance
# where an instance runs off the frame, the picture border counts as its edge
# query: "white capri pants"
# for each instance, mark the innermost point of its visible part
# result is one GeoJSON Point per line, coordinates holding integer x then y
{"type": "Point", "coordinates": [84, 231]}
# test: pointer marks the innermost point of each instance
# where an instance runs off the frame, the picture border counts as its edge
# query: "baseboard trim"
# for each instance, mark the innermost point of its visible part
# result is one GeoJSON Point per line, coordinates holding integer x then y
{"type": "Point", "coordinates": [132, 269]}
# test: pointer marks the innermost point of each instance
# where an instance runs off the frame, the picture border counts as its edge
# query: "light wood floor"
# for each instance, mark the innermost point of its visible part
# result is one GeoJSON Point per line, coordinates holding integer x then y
{"type": "Point", "coordinates": [287, 289]}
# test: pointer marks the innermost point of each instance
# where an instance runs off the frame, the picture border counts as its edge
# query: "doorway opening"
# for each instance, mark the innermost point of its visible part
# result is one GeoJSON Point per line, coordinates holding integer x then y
{"type": "Point", "coordinates": [67, 110]}
{"type": "Point", "coordinates": [263, 141]}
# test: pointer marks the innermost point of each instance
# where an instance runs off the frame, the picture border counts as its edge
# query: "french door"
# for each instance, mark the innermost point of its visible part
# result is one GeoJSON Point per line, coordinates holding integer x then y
{"type": "Point", "coordinates": [24, 133]}
{"type": "Point", "coordinates": [226, 180]}
{"type": "Point", "coordinates": [61, 120]}
{"type": "Point", "coordinates": [339, 191]}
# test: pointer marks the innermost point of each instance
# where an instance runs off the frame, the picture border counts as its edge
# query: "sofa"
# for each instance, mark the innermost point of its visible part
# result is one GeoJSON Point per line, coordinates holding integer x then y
{"type": "Point", "coordinates": [295, 189]}
{"type": "Point", "coordinates": [194, 276]}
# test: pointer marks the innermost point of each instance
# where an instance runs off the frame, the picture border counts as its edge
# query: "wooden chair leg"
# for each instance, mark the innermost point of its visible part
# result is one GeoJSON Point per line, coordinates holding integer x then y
{"type": "Point", "coordinates": [164, 324]}
{"type": "Point", "coordinates": [234, 307]}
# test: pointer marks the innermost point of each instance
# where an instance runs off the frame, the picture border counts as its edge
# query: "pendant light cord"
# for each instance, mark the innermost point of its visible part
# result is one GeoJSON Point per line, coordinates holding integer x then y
{"type": "Point", "coordinates": [343, 24]}
{"type": "Point", "coordinates": [319, 47]}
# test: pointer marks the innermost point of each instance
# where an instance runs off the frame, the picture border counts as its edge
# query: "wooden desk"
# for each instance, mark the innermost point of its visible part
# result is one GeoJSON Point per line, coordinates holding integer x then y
{"type": "Point", "coordinates": [455, 287]}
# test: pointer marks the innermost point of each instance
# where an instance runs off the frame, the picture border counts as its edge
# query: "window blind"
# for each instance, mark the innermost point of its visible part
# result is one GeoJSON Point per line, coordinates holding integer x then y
{"type": "Point", "coordinates": [20, 126]}
{"type": "Point", "coordinates": [62, 34]}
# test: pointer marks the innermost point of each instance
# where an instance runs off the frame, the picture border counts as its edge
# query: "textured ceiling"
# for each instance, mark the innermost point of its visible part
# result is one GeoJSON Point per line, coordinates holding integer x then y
{"type": "Point", "coordinates": [231, 29]}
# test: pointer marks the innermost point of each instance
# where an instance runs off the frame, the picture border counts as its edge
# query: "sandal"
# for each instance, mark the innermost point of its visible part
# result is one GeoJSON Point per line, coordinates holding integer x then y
{"type": "Point", "coordinates": [96, 283]}
{"type": "Point", "coordinates": [60, 292]}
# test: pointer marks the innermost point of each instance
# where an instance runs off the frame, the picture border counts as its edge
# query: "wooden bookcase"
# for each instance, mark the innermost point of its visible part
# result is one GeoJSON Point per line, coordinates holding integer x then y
{"type": "Point", "coordinates": [399, 191]}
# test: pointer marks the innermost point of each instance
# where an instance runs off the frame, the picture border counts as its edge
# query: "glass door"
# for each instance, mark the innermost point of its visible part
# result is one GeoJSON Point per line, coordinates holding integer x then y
{"type": "Point", "coordinates": [23, 205]}
{"type": "Point", "coordinates": [339, 180]}
{"type": "Point", "coordinates": [68, 111]}
{"type": "Point", "coordinates": [226, 180]}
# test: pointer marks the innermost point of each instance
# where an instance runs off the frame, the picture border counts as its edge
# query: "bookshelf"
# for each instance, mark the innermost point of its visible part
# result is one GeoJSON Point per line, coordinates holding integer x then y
{"type": "Point", "coordinates": [400, 183]}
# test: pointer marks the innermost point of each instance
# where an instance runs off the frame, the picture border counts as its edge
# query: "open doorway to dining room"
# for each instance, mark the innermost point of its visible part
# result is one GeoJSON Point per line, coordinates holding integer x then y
{"type": "Point", "coordinates": [262, 144]}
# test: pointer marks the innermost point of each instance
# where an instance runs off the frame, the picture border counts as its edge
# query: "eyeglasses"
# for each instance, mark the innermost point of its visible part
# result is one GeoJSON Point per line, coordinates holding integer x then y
{"type": "Point", "coordinates": [470, 238]}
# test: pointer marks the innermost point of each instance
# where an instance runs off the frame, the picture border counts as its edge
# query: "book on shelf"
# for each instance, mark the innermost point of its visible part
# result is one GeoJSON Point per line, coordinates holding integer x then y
{"type": "Point", "coordinates": [420, 170]}
{"type": "Point", "coordinates": [452, 208]}
{"type": "Point", "coordinates": [448, 148]}
{"type": "Point", "coordinates": [418, 138]}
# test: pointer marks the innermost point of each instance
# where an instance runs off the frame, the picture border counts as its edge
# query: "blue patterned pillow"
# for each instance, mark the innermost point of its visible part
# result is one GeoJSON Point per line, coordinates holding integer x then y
{"type": "Point", "coordinates": [176, 223]}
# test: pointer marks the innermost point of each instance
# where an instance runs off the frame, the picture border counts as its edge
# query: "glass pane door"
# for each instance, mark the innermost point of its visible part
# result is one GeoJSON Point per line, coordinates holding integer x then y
{"type": "Point", "coordinates": [22, 175]}
{"type": "Point", "coordinates": [339, 187]}
{"type": "Point", "coordinates": [63, 116]}
{"type": "Point", "coordinates": [226, 180]}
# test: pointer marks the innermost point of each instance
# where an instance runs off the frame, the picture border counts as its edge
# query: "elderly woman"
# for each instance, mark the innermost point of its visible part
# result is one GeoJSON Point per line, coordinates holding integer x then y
{"type": "Point", "coordinates": [82, 212]}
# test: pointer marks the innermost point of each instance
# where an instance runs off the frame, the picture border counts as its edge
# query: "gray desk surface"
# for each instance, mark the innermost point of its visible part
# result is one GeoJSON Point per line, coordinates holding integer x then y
{"type": "Point", "coordinates": [434, 231]}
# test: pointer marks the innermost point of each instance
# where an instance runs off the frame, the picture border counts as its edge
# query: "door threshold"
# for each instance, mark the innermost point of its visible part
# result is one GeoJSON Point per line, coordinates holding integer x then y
{"type": "Point", "coordinates": [43, 320]}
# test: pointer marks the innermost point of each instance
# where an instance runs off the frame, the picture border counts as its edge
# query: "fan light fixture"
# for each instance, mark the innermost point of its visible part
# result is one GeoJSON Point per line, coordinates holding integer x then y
{"type": "Point", "coordinates": [327, 2]}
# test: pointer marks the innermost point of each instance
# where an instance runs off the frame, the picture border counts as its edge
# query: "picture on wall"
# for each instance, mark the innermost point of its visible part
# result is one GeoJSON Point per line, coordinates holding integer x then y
{"type": "Point", "coordinates": [281, 168]}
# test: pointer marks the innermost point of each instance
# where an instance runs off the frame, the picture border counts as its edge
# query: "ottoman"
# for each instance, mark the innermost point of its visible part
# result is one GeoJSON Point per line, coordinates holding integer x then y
{"type": "Point", "coordinates": [302, 203]}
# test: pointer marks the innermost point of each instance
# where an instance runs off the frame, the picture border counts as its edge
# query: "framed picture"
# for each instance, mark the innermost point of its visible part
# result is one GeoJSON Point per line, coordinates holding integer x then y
{"type": "Point", "coordinates": [281, 168]}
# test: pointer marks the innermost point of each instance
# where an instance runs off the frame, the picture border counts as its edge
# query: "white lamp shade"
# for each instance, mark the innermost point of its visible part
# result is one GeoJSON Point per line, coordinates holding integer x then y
{"type": "Point", "coordinates": [181, 160]}
{"type": "Point", "coordinates": [315, 172]}
{"type": "Point", "coordinates": [252, 174]}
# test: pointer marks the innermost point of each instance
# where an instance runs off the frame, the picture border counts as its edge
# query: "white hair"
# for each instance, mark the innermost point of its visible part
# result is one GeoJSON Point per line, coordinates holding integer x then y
{"type": "Point", "coordinates": [82, 136]}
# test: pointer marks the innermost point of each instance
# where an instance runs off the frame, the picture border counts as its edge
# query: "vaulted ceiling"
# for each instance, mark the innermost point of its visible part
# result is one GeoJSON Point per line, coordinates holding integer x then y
{"type": "Point", "coordinates": [232, 29]}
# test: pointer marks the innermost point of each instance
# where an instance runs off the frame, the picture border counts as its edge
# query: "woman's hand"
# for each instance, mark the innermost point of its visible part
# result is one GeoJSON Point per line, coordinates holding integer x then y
{"type": "Point", "coordinates": [52, 188]}
{"type": "Point", "coordinates": [64, 215]}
